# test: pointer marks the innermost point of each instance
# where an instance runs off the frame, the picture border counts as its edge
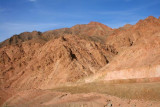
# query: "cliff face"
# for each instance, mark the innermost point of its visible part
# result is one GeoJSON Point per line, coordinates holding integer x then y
{"type": "Point", "coordinates": [44, 60]}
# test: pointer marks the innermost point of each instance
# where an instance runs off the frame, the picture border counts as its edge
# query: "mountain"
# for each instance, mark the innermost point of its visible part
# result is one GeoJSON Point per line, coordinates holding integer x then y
{"type": "Point", "coordinates": [69, 54]}
{"type": "Point", "coordinates": [18, 39]}
{"type": "Point", "coordinates": [135, 34]}
{"type": "Point", "coordinates": [61, 60]}
{"type": "Point", "coordinates": [83, 53]}
{"type": "Point", "coordinates": [138, 52]}
{"type": "Point", "coordinates": [62, 55]}
{"type": "Point", "coordinates": [92, 31]}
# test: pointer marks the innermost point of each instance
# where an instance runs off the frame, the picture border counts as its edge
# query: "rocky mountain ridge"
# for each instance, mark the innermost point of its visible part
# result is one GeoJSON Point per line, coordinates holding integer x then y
{"type": "Point", "coordinates": [44, 60]}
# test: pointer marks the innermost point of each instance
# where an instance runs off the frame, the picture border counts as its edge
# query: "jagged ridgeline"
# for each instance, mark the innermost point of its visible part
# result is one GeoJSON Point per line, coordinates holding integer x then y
{"type": "Point", "coordinates": [46, 59]}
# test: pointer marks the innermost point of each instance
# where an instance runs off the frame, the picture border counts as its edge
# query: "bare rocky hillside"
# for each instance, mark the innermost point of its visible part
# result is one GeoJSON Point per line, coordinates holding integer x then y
{"type": "Point", "coordinates": [82, 53]}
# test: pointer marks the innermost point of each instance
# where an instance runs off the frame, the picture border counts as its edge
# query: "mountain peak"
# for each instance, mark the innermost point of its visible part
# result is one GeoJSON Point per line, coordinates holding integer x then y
{"type": "Point", "coordinates": [127, 26]}
{"type": "Point", "coordinates": [94, 23]}
{"type": "Point", "coordinates": [151, 18]}
{"type": "Point", "coordinates": [99, 24]}
{"type": "Point", "coordinates": [148, 20]}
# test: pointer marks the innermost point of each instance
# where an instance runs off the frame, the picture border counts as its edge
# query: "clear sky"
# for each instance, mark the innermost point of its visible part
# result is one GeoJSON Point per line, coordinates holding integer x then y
{"type": "Point", "coordinates": [17, 16]}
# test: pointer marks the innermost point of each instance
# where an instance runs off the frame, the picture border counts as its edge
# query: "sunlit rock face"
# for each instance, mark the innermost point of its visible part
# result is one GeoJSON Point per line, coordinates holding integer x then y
{"type": "Point", "coordinates": [45, 60]}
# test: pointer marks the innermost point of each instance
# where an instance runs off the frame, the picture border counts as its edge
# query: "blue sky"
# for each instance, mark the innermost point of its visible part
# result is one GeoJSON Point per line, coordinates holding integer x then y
{"type": "Point", "coordinates": [17, 16]}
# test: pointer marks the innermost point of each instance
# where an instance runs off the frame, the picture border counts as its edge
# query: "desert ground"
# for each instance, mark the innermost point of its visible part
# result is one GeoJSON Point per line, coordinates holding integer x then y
{"type": "Point", "coordinates": [98, 94]}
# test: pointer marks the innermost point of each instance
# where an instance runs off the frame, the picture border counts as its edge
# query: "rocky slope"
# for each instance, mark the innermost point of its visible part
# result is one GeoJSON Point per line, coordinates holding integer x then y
{"type": "Point", "coordinates": [138, 50]}
{"type": "Point", "coordinates": [54, 57]}
{"type": "Point", "coordinates": [61, 60]}
{"type": "Point", "coordinates": [92, 31]}
{"type": "Point", "coordinates": [69, 54]}
{"type": "Point", "coordinates": [63, 56]}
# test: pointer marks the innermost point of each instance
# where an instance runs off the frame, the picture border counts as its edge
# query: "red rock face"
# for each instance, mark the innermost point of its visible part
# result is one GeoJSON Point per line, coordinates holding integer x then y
{"type": "Point", "coordinates": [44, 60]}
{"type": "Point", "coordinates": [138, 51]}
{"type": "Point", "coordinates": [61, 60]}
{"type": "Point", "coordinates": [139, 42]}
{"type": "Point", "coordinates": [135, 34]}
